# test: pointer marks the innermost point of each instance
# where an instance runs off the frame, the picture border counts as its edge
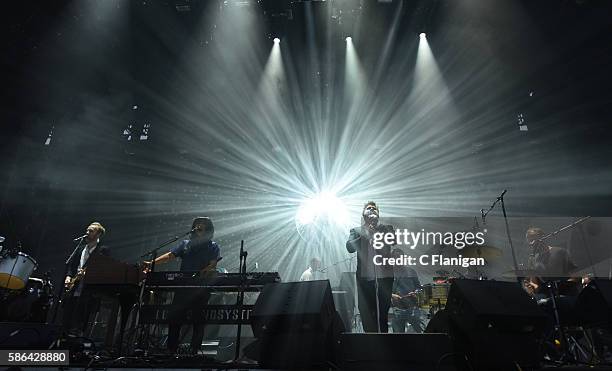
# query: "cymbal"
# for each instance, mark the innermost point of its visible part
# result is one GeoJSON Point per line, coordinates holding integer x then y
{"type": "Point", "coordinates": [487, 252]}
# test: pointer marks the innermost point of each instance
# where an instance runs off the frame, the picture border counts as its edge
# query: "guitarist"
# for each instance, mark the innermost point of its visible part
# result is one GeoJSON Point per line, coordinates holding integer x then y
{"type": "Point", "coordinates": [198, 253]}
{"type": "Point", "coordinates": [79, 304]}
{"type": "Point", "coordinates": [403, 297]}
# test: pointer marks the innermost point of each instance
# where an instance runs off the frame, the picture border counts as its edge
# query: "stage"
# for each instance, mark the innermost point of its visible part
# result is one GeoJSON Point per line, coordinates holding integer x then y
{"type": "Point", "coordinates": [339, 184]}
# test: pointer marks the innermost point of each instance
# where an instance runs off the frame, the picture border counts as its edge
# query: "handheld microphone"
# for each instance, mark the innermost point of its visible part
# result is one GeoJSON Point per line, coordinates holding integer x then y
{"type": "Point", "coordinates": [79, 238]}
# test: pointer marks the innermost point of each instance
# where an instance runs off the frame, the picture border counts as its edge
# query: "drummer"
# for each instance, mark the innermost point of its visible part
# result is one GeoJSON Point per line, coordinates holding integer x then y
{"type": "Point", "coordinates": [551, 262]}
{"type": "Point", "coordinates": [404, 297]}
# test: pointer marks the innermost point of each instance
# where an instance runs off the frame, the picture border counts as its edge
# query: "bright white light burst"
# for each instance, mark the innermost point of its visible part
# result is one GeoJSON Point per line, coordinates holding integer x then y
{"type": "Point", "coordinates": [322, 217]}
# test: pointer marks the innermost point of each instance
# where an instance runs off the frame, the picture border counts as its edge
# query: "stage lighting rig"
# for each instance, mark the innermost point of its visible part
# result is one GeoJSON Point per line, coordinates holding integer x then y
{"type": "Point", "coordinates": [277, 14]}
{"type": "Point", "coordinates": [182, 6]}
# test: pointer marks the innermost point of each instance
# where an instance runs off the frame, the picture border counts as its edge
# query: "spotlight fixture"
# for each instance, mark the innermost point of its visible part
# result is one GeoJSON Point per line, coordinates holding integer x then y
{"type": "Point", "coordinates": [422, 35]}
{"type": "Point", "coordinates": [349, 39]}
{"type": "Point", "coordinates": [276, 40]}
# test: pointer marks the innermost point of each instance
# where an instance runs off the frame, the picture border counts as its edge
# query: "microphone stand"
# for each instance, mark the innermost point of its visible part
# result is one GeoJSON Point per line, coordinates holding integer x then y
{"type": "Point", "coordinates": [240, 298]}
{"type": "Point", "coordinates": [376, 291]}
{"type": "Point", "coordinates": [503, 206]}
{"type": "Point", "coordinates": [553, 286]}
{"type": "Point", "coordinates": [143, 284]}
{"type": "Point", "coordinates": [377, 299]}
{"type": "Point", "coordinates": [60, 294]}
{"type": "Point", "coordinates": [574, 224]}
{"type": "Point", "coordinates": [326, 268]}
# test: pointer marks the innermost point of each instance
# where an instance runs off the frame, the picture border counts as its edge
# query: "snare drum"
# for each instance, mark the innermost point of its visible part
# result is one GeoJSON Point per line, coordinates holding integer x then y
{"type": "Point", "coordinates": [15, 271]}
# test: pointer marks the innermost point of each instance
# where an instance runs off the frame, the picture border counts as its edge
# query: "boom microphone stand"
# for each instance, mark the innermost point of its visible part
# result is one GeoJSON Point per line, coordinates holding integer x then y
{"type": "Point", "coordinates": [570, 226]}
{"type": "Point", "coordinates": [60, 293]}
{"type": "Point", "coordinates": [503, 206]}
{"type": "Point", "coordinates": [554, 288]}
{"type": "Point", "coordinates": [143, 284]}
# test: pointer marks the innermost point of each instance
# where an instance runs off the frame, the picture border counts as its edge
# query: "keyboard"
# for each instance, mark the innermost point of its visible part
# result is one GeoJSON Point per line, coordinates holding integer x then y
{"type": "Point", "coordinates": [175, 280]}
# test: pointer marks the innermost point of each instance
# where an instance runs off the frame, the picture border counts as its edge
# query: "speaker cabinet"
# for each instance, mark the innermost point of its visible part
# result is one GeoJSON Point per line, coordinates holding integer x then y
{"type": "Point", "coordinates": [296, 325]}
{"type": "Point", "coordinates": [495, 324]}
{"type": "Point", "coordinates": [594, 304]}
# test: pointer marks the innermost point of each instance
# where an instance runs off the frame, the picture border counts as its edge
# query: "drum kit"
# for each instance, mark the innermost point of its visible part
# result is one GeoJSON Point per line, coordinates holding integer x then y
{"type": "Point", "coordinates": [557, 298]}
{"type": "Point", "coordinates": [22, 298]}
{"type": "Point", "coordinates": [432, 297]}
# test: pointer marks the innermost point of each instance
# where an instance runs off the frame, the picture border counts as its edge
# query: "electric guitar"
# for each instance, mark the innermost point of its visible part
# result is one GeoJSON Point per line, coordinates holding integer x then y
{"type": "Point", "coordinates": [70, 286]}
{"type": "Point", "coordinates": [407, 301]}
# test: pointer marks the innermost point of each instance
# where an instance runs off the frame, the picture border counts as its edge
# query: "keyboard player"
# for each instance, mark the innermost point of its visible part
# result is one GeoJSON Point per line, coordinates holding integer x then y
{"type": "Point", "coordinates": [198, 253]}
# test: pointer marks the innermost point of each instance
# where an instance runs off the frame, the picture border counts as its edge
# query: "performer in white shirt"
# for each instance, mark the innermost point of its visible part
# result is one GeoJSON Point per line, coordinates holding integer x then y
{"type": "Point", "coordinates": [312, 273]}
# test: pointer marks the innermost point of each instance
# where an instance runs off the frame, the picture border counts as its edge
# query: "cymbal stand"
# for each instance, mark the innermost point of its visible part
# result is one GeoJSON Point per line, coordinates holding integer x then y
{"type": "Point", "coordinates": [572, 351]}
{"type": "Point", "coordinates": [554, 289]}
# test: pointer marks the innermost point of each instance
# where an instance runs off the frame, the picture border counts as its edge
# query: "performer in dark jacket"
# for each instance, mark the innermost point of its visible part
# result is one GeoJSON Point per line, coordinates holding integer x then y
{"type": "Point", "coordinates": [78, 303]}
{"type": "Point", "coordinates": [374, 282]}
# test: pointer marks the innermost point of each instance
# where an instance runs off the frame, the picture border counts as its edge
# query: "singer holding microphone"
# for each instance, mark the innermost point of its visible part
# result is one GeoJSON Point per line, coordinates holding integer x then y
{"type": "Point", "coordinates": [198, 253]}
{"type": "Point", "coordinates": [78, 303]}
{"type": "Point", "coordinates": [374, 283]}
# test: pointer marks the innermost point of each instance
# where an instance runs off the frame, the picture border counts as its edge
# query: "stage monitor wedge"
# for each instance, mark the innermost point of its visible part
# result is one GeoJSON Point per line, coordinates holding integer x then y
{"type": "Point", "coordinates": [296, 325]}
{"type": "Point", "coordinates": [494, 323]}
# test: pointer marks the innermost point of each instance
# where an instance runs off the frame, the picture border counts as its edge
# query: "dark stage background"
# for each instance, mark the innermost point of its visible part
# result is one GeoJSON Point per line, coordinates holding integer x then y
{"type": "Point", "coordinates": [144, 114]}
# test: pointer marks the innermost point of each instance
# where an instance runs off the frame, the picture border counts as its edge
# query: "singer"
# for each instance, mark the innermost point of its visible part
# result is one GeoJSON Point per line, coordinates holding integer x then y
{"type": "Point", "coordinates": [374, 283]}
{"type": "Point", "coordinates": [198, 253]}
{"type": "Point", "coordinates": [78, 303]}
